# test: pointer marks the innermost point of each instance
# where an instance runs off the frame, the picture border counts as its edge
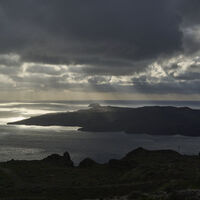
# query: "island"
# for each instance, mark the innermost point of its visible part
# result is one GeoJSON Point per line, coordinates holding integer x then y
{"type": "Point", "coordinates": [139, 175]}
{"type": "Point", "coordinates": [154, 120]}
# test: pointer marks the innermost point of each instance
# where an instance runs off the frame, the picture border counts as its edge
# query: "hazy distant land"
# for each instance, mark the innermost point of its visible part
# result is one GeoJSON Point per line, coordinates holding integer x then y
{"type": "Point", "coordinates": [154, 120]}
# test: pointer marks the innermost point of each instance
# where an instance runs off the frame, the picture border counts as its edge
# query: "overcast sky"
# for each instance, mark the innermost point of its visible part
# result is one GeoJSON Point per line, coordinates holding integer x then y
{"type": "Point", "coordinates": [99, 49]}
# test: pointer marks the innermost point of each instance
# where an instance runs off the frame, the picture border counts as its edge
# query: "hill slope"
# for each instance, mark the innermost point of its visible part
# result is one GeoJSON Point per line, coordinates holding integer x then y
{"type": "Point", "coordinates": [141, 174]}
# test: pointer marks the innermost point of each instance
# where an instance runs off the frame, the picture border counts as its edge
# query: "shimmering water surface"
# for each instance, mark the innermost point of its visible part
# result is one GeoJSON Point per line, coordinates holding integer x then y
{"type": "Point", "coordinates": [36, 142]}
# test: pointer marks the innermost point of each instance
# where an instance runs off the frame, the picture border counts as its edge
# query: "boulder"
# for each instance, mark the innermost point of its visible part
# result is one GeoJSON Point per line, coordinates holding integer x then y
{"type": "Point", "coordinates": [60, 160]}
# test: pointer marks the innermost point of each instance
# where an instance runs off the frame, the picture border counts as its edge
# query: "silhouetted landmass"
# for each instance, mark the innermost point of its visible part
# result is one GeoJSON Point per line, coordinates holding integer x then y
{"type": "Point", "coordinates": [140, 175]}
{"type": "Point", "coordinates": [153, 120]}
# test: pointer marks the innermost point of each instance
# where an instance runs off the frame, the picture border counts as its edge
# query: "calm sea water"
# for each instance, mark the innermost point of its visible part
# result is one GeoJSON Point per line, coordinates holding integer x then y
{"type": "Point", "coordinates": [36, 142]}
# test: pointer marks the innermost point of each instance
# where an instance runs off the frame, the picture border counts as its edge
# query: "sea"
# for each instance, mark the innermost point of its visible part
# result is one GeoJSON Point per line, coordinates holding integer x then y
{"type": "Point", "coordinates": [22, 142]}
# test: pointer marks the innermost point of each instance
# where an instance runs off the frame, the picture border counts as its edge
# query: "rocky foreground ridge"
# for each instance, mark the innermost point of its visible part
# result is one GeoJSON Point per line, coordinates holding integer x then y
{"type": "Point", "coordinates": [139, 175]}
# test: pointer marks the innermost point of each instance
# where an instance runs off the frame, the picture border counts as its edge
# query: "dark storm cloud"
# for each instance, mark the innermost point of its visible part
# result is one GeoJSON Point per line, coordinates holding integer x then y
{"type": "Point", "coordinates": [190, 12]}
{"type": "Point", "coordinates": [79, 31]}
{"type": "Point", "coordinates": [98, 40]}
{"type": "Point", "coordinates": [192, 39]}
{"type": "Point", "coordinates": [189, 76]}
{"type": "Point", "coordinates": [116, 68]}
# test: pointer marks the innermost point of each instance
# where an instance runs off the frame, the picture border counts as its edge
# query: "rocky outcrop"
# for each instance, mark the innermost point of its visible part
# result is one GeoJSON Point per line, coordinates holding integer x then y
{"type": "Point", "coordinates": [140, 175]}
{"type": "Point", "coordinates": [60, 160]}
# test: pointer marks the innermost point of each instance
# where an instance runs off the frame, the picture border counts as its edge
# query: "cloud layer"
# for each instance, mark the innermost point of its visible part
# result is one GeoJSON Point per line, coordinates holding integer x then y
{"type": "Point", "coordinates": [133, 46]}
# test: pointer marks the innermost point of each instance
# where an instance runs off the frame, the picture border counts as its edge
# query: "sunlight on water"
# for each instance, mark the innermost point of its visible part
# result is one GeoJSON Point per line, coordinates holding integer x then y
{"type": "Point", "coordinates": [4, 121]}
{"type": "Point", "coordinates": [47, 128]}
{"type": "Point", "coordinates": [17, 153]}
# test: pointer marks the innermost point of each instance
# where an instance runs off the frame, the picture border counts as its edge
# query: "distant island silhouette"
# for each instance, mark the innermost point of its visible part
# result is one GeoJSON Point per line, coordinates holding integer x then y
{"type": "Point", "coordinates": [154, 120]}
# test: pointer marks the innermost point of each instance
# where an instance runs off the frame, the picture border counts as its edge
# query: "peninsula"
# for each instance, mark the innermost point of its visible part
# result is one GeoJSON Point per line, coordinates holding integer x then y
{"type": "Point", "coordinates": [154, 120]}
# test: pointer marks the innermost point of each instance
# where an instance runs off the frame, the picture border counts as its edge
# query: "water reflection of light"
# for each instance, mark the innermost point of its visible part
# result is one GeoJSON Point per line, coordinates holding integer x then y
{"type": "Point", "coordinates": [17, 103]}
{"type": "Point", "coordinates": [20, 114]}
{"type": "Point", "coordinates": [8, 153]}
{"type": "Point", "coordinates": [4, 121]}
{"type": "Point", "coordinates": [47, 128]}
{"type": "Point", "coordinates": [32, 112]}
{"type": "Point", "coordinates": [16, 111]}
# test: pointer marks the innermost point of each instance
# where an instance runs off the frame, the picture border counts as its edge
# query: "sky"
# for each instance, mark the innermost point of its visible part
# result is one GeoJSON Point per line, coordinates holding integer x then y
{"type": "Point", "coordinates": [99, 49]}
